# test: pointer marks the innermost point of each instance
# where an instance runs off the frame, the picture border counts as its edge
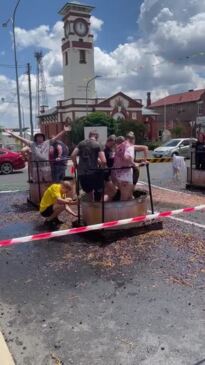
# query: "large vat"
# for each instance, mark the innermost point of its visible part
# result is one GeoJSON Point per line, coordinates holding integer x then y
{"type": "Point", "coordinates": [195, 178]}
{"type": "Point", "coordinates": [36, 191]}
{"type": "Point", "coordinates": [92, 211]}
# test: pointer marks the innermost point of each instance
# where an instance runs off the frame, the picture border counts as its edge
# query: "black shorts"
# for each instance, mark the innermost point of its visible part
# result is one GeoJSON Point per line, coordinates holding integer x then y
{"type": "Point", "coordinates": [48, 212]}
{"type": "Point", "coordinates": [92, 182]}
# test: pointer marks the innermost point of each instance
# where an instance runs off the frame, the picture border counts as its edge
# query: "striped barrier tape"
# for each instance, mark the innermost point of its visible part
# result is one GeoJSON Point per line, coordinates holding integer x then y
{"type": "Point", "coordinates": [155, 160]}
{"type": "Point", "coordinates": [100, 226]}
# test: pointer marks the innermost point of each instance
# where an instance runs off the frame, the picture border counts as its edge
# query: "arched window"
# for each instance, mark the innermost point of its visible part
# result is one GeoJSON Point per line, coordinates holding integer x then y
{"type": "Point", "coordinates": [118, 115]}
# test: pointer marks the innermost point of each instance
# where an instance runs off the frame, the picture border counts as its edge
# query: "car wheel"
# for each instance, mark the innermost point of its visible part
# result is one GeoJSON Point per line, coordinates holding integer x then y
{"type": "Point", "coordinates": [6, 168]}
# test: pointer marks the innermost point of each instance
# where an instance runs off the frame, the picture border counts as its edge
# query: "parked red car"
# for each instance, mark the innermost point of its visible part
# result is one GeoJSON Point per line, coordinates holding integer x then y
{"type": "Point", "coordinates": [10, 161]}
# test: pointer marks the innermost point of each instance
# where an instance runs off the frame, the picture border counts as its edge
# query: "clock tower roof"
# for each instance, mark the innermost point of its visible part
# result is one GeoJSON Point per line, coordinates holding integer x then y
{"type": "Point", "coordinates": [75, 7]}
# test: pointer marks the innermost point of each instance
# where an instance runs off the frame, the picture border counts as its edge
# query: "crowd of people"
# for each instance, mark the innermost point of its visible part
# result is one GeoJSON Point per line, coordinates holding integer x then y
{"type": "Point", "coordinates": [111, 170]}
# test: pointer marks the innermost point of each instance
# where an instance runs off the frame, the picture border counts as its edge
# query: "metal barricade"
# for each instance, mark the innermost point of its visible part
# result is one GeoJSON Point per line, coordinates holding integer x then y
{"type": "Point", "coordinates": [41, 176]}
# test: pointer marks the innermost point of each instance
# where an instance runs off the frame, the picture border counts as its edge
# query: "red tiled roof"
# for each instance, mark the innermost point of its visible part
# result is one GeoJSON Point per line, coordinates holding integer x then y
{"type": "Point", "coordinates": [186, 97]}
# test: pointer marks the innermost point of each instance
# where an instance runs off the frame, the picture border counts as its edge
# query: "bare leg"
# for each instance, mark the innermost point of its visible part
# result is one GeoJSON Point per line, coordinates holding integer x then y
{"type": "Point", "coordinates": [110, 190]}
{"type": "Point", "coordinates": [126, 190]}
{"type": "Point", "coordinates": [57, 210]}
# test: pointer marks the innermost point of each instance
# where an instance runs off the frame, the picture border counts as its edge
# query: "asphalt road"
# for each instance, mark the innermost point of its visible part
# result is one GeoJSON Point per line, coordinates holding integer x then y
{"type": "Point", "coordinates": [138, 300]}
{"type": "Point", "coordinates": [15, 181]}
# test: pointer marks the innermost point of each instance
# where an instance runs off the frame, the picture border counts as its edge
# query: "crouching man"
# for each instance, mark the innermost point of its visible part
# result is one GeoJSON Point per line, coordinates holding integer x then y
{"type": "Point", "coordinates": [56, 199]}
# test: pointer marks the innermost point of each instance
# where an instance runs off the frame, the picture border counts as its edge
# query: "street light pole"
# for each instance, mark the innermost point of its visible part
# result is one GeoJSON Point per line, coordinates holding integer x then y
{"type": "Point", "coordinates": [12, 19]}
{"type": "Point", "coordinates": [93, 78]}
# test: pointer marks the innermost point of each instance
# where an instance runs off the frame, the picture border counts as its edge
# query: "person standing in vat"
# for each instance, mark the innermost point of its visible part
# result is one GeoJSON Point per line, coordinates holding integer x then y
{"type": "Point", "coordinates": [90, 157]}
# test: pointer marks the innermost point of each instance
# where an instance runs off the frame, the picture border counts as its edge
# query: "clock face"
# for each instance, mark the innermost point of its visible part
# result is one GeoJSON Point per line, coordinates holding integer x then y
{"type": "Point", "coordinates": [81, 27]}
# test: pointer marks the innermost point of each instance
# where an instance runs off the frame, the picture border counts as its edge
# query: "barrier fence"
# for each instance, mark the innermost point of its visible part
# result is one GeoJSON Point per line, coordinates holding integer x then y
{"type": "Point", "coordinates": [155, 160]}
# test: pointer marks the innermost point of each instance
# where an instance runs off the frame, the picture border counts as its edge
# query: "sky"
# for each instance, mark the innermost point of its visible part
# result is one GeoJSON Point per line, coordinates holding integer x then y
{"type": "Point", "coordinates": [140, 46]}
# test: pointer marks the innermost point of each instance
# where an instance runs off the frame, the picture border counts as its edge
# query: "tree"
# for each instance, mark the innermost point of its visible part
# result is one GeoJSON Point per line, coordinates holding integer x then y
{"type": "Point", "coordinates": [139, 129]}
{"type": "Point", "coordinates": [117, 127]}
{"type": "Point", "coordinates": [1, 130]}
{"type": "Point", "coordinates": [95, 119]}
{"type": "Point", "coordinates": [177, 131]}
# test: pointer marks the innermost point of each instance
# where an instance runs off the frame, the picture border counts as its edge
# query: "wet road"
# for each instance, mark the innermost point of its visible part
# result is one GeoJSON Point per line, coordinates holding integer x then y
{"type": "Point", "coordinates": [138, 300]}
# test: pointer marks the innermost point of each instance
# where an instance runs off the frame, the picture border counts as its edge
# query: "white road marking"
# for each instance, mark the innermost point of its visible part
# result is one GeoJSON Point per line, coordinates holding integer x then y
{"type": "Point", "coordinates": [188, 222]}
{"type": "Point", "coordinates": [184, 221]}
{"type": "Point", "coordinates": [10, 191]}
{"type": "Point", "coordinates": [159, 187]}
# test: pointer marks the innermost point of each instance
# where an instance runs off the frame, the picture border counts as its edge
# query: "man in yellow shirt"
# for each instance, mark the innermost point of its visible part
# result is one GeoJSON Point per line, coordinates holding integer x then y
{"type": "Point", "coordinates": [55, 200]}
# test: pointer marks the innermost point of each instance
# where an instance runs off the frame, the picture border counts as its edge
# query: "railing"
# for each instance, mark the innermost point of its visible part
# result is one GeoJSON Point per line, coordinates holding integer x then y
{"type": "Point", "coordinates": [44, 172]}
{"type": "Point", "coordinates": [194, 163]}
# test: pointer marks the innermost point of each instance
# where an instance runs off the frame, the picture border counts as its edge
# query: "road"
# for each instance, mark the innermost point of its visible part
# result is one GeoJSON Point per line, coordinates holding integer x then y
{"type": "Point", "coordinates": [135, 301]}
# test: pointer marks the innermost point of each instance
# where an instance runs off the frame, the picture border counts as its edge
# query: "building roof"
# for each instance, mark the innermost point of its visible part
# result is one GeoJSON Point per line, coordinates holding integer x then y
{"type": "Point", "coordinates": [133, 102]}
{"type": "Point", "coordinates": [75, 6]}
{"type": "Point", "coordinates": [50, 111]}
{"type": "Point", "coordinates": [187, 97]}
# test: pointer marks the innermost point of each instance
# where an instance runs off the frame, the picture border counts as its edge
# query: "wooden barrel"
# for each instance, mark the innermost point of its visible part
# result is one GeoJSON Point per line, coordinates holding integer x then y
{"type": "Point", "coordinates": [92, 211]}
{"type": "Point", "coordinates": [36, 192]}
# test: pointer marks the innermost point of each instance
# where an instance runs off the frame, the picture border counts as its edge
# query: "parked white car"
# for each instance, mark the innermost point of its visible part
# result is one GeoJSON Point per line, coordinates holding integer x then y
{"type": "Point", "coordinates": [178, 146]}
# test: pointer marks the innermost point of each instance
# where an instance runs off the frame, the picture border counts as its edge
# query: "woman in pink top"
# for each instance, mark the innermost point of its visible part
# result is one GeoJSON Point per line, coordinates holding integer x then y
{"type": "Point", "coordinates": [124, 157]}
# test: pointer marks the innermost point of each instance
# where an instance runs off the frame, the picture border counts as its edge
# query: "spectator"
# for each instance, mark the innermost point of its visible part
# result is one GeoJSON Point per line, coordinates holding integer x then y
{"type": "Point", "coordinates": [58, 160]}
{"type": "Point", "coordinates": [39, 154]}
{"type": "Point", "coordinates": [200, 152]}
{"type": "Point", "coordinates": [55, 200]}
{"type": "Point", "coordinates": [178, 166]}
{"type": "Point", "coordinates": [90, 156]}
{"type": "Point", "coordinates": [119, 140]}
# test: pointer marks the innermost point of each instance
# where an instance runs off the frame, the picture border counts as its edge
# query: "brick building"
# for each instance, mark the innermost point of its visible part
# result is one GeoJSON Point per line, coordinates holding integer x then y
{"type": "Point", "coordinates": [180, 110]}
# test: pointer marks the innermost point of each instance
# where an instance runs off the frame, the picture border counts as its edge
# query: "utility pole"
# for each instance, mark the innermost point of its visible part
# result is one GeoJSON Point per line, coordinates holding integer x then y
{"type": "Point", "coordinates": [30, 98]}
{"type": "Point", "coordinates": [13, 20]}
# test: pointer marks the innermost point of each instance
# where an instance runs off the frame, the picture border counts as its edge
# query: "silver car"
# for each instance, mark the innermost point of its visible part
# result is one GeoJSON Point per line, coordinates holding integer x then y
{"type": "Point", "coordinates": [179, 146]}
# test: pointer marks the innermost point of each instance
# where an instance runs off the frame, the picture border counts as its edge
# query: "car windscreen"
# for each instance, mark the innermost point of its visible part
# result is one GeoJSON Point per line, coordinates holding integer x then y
{"type": "Point", "coordinates": [172, 143]}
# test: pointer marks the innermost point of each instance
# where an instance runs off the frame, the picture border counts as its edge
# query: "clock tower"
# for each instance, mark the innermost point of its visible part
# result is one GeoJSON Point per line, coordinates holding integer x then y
{"type": "Point", "coordinates": [78, 52]}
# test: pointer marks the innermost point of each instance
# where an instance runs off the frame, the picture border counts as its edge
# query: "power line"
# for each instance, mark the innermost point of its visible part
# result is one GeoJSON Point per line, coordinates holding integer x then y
{"type": "Point", "coordinates": [11, 66]}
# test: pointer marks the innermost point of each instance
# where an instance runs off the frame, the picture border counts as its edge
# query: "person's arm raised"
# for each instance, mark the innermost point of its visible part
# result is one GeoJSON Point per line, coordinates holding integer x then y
{"type": "Point", "coordinates": [23, 140]}
{"type": "Point", "coordinates": [142, 148]}
{"type": "Point", "coordinates": [60, 134]}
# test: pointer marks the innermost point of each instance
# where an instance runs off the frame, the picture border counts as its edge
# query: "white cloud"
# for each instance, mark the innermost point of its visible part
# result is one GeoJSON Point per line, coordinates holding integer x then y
{"type": "Point", "coordinates": [96, 23]}
{"type": "Point", "coordinates": [42, 37]}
